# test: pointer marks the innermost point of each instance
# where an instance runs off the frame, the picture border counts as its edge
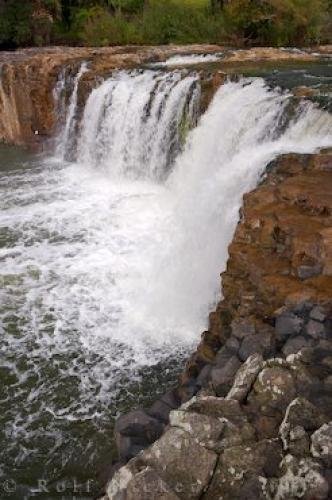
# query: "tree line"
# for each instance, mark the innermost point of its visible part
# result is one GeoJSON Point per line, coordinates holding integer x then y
{"type": "Point", "coordinates": [111, 22]}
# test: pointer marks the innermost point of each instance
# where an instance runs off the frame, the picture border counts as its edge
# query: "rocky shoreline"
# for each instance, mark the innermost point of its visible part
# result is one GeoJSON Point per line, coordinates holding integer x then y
{"type": "Point", "coordinates": [251, 417]}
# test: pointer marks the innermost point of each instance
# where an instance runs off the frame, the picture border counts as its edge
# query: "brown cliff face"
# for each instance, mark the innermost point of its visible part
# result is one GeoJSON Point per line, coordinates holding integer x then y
{"type": "Point", "coordinates": [26, 99]}
{"type": "Point", "coordinates": [28, 78]}
{"type": "Point", "coordinates": [281, 248]}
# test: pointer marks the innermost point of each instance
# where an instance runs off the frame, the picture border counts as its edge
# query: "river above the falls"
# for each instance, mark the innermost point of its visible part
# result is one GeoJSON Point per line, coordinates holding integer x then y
{"type": "Point", "coordinates": [107, 273]}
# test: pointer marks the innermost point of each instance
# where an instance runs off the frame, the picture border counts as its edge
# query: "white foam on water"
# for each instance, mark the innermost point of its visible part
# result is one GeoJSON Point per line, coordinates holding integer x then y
{"type": "Point", "coordinates": [107, 270]}
{"type": "Point", "coordinates": [188, 60]}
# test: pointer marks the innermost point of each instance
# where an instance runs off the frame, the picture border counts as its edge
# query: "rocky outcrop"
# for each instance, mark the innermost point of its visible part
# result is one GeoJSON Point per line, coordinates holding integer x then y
{"type": "Point", "coordinates": [28, 77]}
{"type": "Point", "coordinates": [215, 447]}
{"type": "Point", "coordinates": [252, 415]}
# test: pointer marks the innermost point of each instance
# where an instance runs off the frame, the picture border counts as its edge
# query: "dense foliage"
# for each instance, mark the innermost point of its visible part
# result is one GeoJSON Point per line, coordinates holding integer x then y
{"type": "Point", "coordinates": [107, 22]}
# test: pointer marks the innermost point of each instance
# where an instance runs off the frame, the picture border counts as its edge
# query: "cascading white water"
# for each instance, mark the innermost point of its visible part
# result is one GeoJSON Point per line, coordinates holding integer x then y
{"type": "Point", "coordinates": [112, 269]}
{"type": "Point", "coordinates": [133, 122]}
{"type": "Point", "coordinates": [242, 131]}
{"type": "Point", "coordinates": [65, 139]}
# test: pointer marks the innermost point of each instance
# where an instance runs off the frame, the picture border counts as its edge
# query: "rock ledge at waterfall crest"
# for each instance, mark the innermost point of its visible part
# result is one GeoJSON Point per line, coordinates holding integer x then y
{"type": "Point", "coordinates": [28, 77]}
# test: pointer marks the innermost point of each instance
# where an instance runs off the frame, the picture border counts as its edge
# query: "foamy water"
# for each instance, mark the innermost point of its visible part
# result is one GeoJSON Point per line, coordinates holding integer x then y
{"type": "Point", "coordinates": [188, 60]}
{"type": "Point", "coordinates": [106, 273]}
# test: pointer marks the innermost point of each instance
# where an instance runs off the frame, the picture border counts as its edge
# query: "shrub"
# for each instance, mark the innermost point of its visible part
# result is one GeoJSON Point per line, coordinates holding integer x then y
{"type": "Point", "coordinates": [127, 6]}
{"type": "Point", "coordinates": [165, 21]}
{"type": "Point", "coordinates": [97, 27]}
{"type": "Point", "coordinates": [161, 22]}
{"type": "Point", "coordinates": [110, 22]}
{"type": "Point", "coordinates": [15, 26]}
{"type": "Point", "coordinates": [276, 22]}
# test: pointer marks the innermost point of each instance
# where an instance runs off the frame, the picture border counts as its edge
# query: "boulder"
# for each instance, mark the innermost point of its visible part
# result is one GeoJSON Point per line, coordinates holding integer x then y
{"type": "Point", "coordinates": [295, 344]}
{"type": "Point", "coordinates": [134, 431]}
{"type": "Point", "coordinates": [183, 464]}
{"type": "Point", "coordinates": [300, 420]}
{"type": "Point", "coordinates": [300, 412]}
{"type": "Point", "coordinates": [171, 398]}
{"type": "Point", "coordinates": [262, 342]}
{"type": "Point", "coordinates": [321, 444]}
{"type": "Point", "coordinates": [138, 423]}
{"type": "Point", "coordinates": [245, 378]}
{"type": "Point", "coordinates": [160, 411]}
{"type": "Point", "coordinates": [188, 390]}
{"type": "Point", "coordinates": [143, 484]}
{"type": "Point", "coordinates": [301, 478]}
{"type": "Point", "coordinates": [204, 376]}
{"type": "Point", "coordinates": [232, 344]}
{"type": "Point", "coordinates": [129, 446]}
{"type": "Point", "coordinates": [222, 378]}
{"type": "Point", "coordinates": [204, 429]}
{"type": "Point", "coordinates": [216, 407]}
{"type": "Point", "coordinates": [242, 327]}
{"type": "Point", "coordinates": [241, 471]}
{"type": "Point", "coordinates": [318, 314]}
{"type": "Point", "coordinates": [287, 325]}
{"type": "Point", "coordinates": [273, 390]}
{"type": "Point", "coordinates": [225, 354]}
{"type": "Point", "coordinates": [315, 329]}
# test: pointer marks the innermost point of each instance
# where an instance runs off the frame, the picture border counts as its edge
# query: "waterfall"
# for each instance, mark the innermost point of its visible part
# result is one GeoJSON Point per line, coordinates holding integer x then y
{"type": "Point", "coordinates": [225, 156]}
{"type": "Point", "coordinates": [135, 127]}
{"type": "Point", "coordinates": [113, 260]}
{"type": "Point", "coordinates": [134, 124]}
{"type": "Point", "coordinates": [66, 138]}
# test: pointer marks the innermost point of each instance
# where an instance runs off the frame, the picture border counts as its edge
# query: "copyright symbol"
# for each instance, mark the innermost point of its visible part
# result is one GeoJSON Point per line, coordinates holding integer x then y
{"type": "Point", "coordinates": [9, 486]}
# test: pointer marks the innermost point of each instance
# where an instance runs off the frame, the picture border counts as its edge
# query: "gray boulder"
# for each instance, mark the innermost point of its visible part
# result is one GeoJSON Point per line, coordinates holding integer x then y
{"type": "Point", "coordinates": [318, 314]}
{"type": "Point", "coordinates": [144, 484]}
{"type": "Point", "coordinates": [183, 464]}
{"type": "Point", "coordinates": [321, 444]}
{"type": "Point", "coordinates": [288, 324]}
{"type": "Point", "coordinates": [245, 378]}
{"type": "Point", "coordinates": [222, 378]}
{"type": "Point", "coordinates": [295, 344]}
{"type": "Point", "coordinates": [315, 329]}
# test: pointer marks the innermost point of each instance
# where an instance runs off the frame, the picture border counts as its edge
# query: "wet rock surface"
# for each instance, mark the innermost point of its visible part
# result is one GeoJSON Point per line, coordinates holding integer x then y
{"type": "Point", "coordinates": [259, 424]}
{"type": "Point", "coordinates": [28, 77]}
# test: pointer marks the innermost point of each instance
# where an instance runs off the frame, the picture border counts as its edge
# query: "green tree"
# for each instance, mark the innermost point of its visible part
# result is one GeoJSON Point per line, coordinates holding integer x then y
{"type": "Point", "coordinates": [15, 22]}
{"type": "Point", "coordinates": [276, 22]}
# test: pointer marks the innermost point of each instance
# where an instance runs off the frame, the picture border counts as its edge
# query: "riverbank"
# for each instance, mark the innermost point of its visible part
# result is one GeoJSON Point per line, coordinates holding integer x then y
{"type": "Point", "coordinates": [255, 419]}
